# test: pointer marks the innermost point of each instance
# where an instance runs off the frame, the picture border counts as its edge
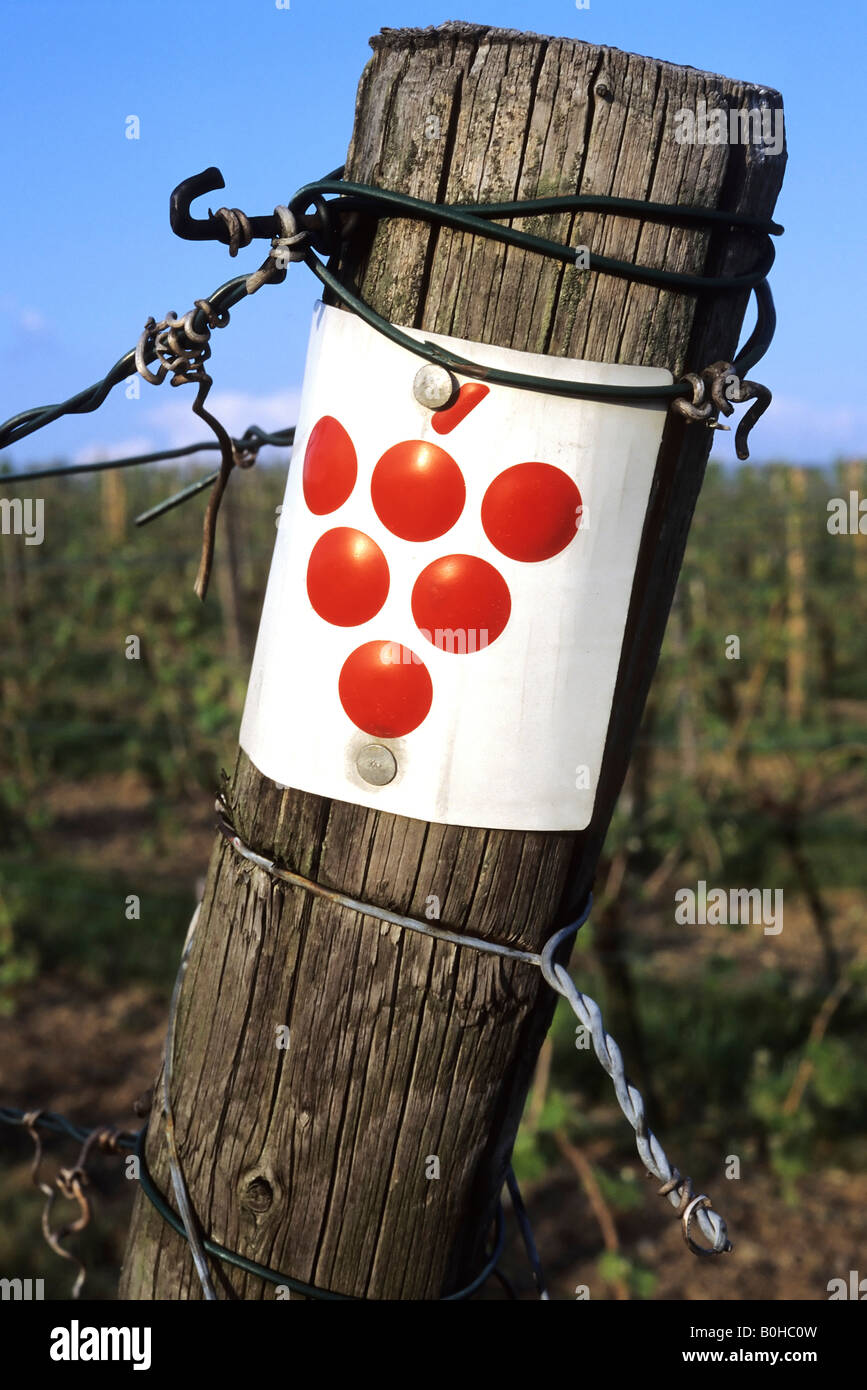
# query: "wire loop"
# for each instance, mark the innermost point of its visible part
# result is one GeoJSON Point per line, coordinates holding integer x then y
{"type": "Point", "coordinates": [237, 224]}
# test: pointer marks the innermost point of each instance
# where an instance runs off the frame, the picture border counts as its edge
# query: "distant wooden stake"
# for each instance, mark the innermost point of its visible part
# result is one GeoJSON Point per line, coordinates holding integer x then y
{"type": "Point", "coordinates": [408, 1058]}
{"type": "Point", "coordinates": [114, 504]}
{"type": "Point", "coordinates": [796, 596]}
{"type": "Point", "coordinates": [228, 582]}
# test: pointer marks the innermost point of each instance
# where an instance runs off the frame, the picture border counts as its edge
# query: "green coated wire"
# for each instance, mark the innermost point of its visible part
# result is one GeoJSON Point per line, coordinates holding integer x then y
{"type": "Point", "coordinates": [476, 219]}
{"type": "Point", "coordinates": [18, 427]}
{"type": "Point", "coordinates": [432, 352]}
{"type": "Point", "coordinates": [473, 219]}
{"type": "Point", "coordinates": [274, 1276]}
{"type": "Point", "coordinates": [59, 1124]}
{"type": "Point", "coordinates": [252, 439]}
{"type": "Point", "coordinates": [285, 438]}
{"type": "Point", "coordinates": [100, 466]}
{"type": "Point", "coordinates": [175, 501]}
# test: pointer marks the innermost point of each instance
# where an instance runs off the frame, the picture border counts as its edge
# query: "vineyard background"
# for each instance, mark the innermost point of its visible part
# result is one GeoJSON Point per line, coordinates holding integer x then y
{"type": "Point", "coordinates": [749, 773]}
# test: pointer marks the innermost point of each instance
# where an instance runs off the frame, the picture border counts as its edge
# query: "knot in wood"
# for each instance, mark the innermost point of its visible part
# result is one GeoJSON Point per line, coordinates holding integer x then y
{"type": "Point", "coordinates": [257, 1196]}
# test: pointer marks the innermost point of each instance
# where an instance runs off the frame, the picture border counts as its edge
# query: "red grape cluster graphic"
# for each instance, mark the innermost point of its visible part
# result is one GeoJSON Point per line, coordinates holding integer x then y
{"type": "Point", "coordinates": [529, 513]}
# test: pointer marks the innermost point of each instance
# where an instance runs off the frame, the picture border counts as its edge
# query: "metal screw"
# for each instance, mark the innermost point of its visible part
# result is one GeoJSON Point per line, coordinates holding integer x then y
{"type": "Point", "coordinates": [376, 764]}
{"type": "Point", "coordinates": [433, 386]}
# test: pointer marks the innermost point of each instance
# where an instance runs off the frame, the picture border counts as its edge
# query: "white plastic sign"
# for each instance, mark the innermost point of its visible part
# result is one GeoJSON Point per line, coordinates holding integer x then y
{"type": "Point", "coordinates": [445, 610]}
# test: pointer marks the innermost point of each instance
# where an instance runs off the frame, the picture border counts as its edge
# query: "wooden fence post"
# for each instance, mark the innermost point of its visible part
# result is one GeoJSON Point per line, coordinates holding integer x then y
{"type": "Point", "coordinates": [313, 1159]}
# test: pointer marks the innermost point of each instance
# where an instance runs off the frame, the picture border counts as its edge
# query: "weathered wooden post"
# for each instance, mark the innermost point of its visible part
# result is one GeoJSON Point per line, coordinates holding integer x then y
{"type": "Point", "coordinates": [312, 1159]}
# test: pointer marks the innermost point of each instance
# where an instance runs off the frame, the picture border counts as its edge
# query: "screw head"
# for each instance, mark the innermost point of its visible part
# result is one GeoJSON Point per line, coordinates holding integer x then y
{"type": "Point", "coordinates": [376, 764]}
{"type": "Point", "coordinates": [434, 386]}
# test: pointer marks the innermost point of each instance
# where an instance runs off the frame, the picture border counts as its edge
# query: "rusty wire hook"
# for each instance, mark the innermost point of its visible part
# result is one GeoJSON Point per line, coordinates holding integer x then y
{"type": "Point", "coordinates": [713, 391]}
{"type": "Point", "coordinates": [235, 229]}
{"type": "Point", "coordinates": [70, 1183]}
{"type": "Point", "coordinates": [210, 228]}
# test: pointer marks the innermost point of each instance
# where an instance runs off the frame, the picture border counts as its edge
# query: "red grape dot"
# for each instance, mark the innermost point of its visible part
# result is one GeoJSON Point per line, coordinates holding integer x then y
{"type": "Point", "coordinates": [418, 490]}
{"type": "Point", "coordinates": [385, 689]}
{"type": "Point", "coordinates": [347, 577]}
{"type": "Point", "coordinates": [530, 511]}
{"type": "Point", "coordinates": [461, 603]}
{"type": "Point", "coordinates": [469, 396]}
{"type": "Point", "coordinates": [330, 466]}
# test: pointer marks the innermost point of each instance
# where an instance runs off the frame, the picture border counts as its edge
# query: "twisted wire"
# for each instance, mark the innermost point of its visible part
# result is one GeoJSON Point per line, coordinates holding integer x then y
{"type": "Point", "coordinates": [237, 224]}
{"type": "Point", "coordinates": [678, 1189]}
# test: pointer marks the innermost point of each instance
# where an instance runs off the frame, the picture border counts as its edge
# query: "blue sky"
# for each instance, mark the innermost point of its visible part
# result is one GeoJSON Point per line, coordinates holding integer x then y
{"type": "Point", "coordinates": [267, 94]}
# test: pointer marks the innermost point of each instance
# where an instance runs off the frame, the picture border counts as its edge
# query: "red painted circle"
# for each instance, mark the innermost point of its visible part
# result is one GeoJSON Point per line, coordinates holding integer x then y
{"type": "Point", "coordinates": [461, 603]}
{"type": "Point", "coordinates": [330, 466]}
{"type": "Point", "coordinates": [385, 689]}
{"type": "Point", "coordinates": [530, 512]}
{"type": "Point", "coordinates": [347, 577]}
{"type": "Point", "coordinates": [418, 490]}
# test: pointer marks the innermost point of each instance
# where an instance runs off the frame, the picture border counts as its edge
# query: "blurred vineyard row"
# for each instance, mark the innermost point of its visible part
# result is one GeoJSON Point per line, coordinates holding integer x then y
{"type": "Point", "coordinates": [749, 772]}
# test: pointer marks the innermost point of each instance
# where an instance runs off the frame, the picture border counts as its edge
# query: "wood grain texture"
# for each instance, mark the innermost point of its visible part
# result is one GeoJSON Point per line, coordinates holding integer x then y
{"type": "Point", "coordinates": [313, 1159]}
